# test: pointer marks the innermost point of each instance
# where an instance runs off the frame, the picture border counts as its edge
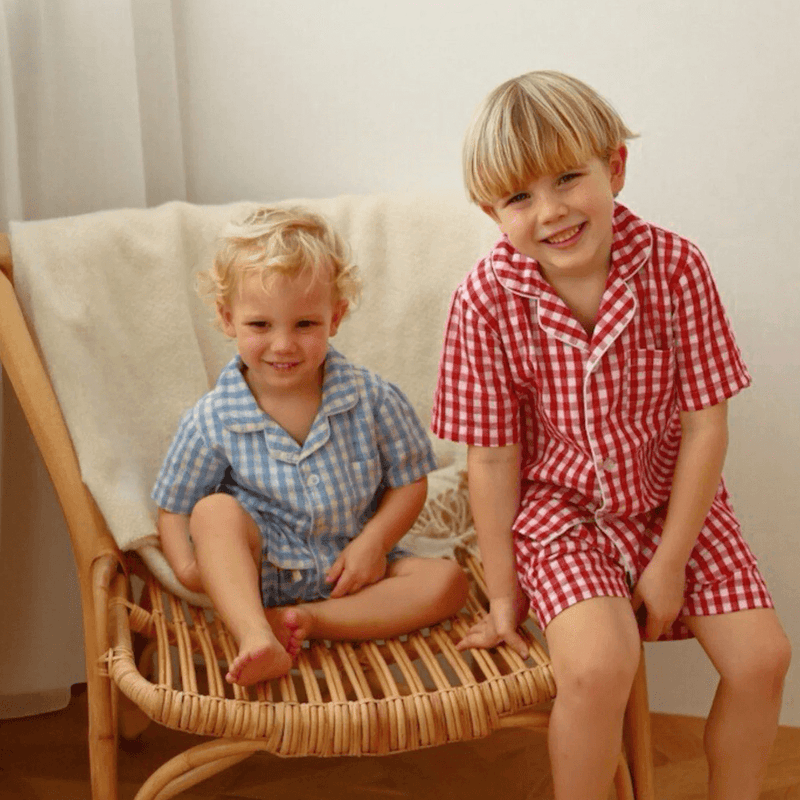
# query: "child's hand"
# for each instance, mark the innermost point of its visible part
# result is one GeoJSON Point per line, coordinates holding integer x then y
{"type": "Point", "coordinates": [499, 625]}
{"type": "Point", "coordinates": [661, 590]}
{"type": "Point", "coordinates": [361, 563]}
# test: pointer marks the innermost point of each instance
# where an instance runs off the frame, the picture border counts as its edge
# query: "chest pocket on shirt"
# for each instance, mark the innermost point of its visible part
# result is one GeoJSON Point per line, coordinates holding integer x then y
{"type": "Point", "coordinates": [650, 382]}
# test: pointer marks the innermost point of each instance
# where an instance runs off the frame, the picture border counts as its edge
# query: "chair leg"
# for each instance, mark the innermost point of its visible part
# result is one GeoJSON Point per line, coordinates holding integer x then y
{"type": "Point", "coordinates": [102, 737]}
{"type": "Point", "coordinates": [638, 739]}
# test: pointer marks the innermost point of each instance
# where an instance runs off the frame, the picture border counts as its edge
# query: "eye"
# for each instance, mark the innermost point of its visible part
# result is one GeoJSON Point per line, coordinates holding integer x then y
{"type": "Point", "coordinates": [567, 177]}
{"type": "Point", "coordinates": [517, 198]}
{"type": "Point", "coordinates": [307, 323]}
{"type": "Point", "coordinates": [258, 324]}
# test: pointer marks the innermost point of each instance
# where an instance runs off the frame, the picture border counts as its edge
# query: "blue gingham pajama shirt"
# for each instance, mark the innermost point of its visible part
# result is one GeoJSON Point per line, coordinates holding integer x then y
{"type": "Point", "coordinates": [309, 500]}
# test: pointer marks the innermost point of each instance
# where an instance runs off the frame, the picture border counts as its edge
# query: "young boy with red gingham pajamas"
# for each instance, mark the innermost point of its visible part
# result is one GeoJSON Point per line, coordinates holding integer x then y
{"type": "Point", "coordinates": [587, 365]}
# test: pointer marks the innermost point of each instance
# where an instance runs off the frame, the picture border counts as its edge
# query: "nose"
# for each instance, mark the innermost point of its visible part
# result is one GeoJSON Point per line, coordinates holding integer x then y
{"type": "Point", "coordinates": [282, 341]}
{"type": "Point", "coordinates": [550, 207]}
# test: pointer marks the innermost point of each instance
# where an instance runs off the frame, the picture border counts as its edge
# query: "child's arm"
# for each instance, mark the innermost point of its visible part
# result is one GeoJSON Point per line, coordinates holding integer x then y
{"type": "Point", "coordinates": [173, 530]}
{"type": "Point", "coordinates": [494, 478]}
{"type": "Point", "coordinates": [363, 561]}
{"type": "Point", "coordinates": [698, 470]}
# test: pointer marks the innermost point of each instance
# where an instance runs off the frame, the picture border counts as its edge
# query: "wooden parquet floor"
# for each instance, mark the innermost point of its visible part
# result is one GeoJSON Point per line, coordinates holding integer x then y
{"type": "Point", "coordinates": [45, 758]}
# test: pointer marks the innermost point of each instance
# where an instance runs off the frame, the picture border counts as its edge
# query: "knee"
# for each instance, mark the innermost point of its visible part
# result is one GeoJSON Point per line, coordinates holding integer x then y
{"type": "Point", "coordinates": [762, 669]}
{"type": "Point", "coordinates": [206, 512]}
{"type": "Point", "coordinates": [453, 586]}
{"type": "Point", "coordinates": [217, 514]}
{"type": "Point", "coordinates": [215, 504]}
{"type": "Point", "coordinates": [781, 658]}
{"type": "Point", "coordinates": [606, 680]}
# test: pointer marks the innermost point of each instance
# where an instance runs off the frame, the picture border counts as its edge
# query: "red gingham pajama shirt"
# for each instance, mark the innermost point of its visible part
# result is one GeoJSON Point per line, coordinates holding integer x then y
{"type": "Point", "coordinates": [598, 416]}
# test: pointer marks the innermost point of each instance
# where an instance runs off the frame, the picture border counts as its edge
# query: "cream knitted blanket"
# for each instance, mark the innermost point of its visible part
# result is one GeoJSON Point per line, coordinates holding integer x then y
{"type": "Point", "coordinates": [129, 345]}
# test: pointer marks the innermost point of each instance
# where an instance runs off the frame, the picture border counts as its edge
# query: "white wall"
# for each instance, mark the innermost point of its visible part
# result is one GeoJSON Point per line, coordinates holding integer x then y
{"type": "Point", "coordinates": [286, 99]}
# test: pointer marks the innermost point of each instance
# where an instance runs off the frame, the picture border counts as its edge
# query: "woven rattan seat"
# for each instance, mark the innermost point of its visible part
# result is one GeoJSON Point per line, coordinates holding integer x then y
{"type": "Point", "coordinates": [168, 658]}
{"type": "Point", "coordinates": [342, 698]}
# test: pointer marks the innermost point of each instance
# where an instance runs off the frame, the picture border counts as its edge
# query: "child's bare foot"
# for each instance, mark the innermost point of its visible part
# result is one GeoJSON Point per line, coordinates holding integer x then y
{"type": "Point", "coordinates": [259, 659]}
{"type": "Point", "coordinates": [291, 625]}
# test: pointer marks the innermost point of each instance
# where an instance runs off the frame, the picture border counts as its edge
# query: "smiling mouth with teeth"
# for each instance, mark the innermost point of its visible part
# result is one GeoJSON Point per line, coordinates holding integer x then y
{"type": "Point", "coordinates": [564, 235]}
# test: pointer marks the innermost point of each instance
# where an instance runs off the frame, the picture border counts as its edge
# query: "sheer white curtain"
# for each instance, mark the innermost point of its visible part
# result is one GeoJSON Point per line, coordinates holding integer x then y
{"type": "Point", "coordinates": [89, 119]}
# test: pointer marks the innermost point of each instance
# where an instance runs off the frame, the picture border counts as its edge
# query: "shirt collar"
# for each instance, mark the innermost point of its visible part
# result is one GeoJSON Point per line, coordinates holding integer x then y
{"type": "Point", "coordinates": [239, 412]}
{"type": "Point", "coordinates": [630, 249]}
{"type": "Point", "coordinates": [339, 392]}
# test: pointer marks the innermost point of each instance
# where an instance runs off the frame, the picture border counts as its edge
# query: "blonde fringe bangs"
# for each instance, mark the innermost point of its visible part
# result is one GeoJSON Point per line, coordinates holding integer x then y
{"type": "Point", "coordinates": [280, 241]}
{"type": "Point", "coordinates": [538, 124]}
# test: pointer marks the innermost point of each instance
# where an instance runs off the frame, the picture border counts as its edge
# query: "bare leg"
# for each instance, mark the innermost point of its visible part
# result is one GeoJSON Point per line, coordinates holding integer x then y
{"type": "Point", "coordinates": [414, 593]}
{"type": "Point", "coordinates": [228, 548]}
{"type": "Point", "coordinates": [751, 652]}
{"type": "Point", "coordinates": [594, 648]}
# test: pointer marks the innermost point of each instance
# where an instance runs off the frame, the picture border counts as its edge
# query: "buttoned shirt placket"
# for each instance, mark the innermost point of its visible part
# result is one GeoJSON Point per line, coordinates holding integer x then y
{"type": "Point", "coordinates": [617, 309]}
{"type": "Point", "coordinates": [282, 447]}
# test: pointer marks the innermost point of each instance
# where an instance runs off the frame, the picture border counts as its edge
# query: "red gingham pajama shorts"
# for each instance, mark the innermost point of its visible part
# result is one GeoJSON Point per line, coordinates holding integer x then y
{"type": "Point", "coordinates": [583, 563]}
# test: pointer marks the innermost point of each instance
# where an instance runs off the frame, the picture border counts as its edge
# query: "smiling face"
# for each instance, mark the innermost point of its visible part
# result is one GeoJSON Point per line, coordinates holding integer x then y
{"type": "Point", "coordinates": [282, 332]}
{"type": "Point", "coordinates": [564, 221]}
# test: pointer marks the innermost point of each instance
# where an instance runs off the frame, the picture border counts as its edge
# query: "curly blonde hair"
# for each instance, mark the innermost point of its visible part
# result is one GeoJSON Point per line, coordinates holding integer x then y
{"type": "Point", "coordinates": [273, 241]}
{"type": "Point", "coordinates": [540, 123]}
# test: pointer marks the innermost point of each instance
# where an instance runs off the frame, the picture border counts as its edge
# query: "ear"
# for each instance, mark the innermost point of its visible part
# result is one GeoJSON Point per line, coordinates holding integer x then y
{"type": "Point", "coordinates": [339, 311]}
{"type": "Point", "coordinates": [225, 315]}
{"type": "Point", "coordinates": [616, 166]}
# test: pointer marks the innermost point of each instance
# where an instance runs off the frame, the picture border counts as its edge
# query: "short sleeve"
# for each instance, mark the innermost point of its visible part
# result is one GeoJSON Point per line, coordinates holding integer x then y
{"type": "Point", "coordinates": [405, 449]}
{"type": "Point", "coordinates": [190, 469]}
{"type": "Point", "coordinates": [474, 401]}
{"type": "Point", "coordinates": [710, 365]}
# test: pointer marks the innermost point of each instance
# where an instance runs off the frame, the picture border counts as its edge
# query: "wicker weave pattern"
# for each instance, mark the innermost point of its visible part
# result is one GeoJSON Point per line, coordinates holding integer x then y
{"type": "Point", "coordinates": [342, 698]}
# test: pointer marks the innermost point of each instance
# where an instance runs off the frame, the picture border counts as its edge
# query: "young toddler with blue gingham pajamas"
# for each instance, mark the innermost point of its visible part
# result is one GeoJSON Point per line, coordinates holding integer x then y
{"type": "Point", "coordinates": [294, 478]}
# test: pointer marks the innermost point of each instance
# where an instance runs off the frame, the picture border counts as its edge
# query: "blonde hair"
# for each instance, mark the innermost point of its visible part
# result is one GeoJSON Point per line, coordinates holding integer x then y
{"type": "Point", "coordinates": [540, 123]}
{"type": "Point", "coordinates": [280, 241]}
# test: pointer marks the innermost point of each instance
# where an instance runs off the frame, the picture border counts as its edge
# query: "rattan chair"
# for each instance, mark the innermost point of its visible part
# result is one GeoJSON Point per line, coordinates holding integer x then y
{"type": "Point", "coordinates": [160, 656]}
